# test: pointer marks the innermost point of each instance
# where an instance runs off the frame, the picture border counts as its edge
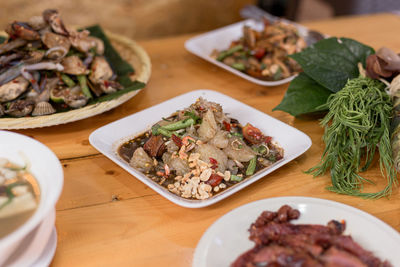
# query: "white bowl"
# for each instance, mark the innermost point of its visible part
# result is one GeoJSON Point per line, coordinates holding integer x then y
{"type": "Point", "coordinates": [48, 172]}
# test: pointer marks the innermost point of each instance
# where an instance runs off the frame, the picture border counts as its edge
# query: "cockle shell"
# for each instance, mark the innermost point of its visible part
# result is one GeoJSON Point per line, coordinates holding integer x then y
{"type": "Point", "coordinates": [43, 108]}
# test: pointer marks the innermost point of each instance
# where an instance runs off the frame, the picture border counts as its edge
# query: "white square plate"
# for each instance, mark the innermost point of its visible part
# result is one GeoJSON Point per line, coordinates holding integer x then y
{"type": "Point", "coordinates": [108, 138]}
{"type": "Point", "coordinates": [220, 39]}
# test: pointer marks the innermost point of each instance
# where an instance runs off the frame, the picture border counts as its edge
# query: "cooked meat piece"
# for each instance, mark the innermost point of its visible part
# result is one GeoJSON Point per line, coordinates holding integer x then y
{"type": "Point", "coordinates": [280, 243]}
{"type": "Point", "coordinates": [275, 255]}
{"type": "Point", "coordinates": [347, 243]}
{"type": "Point", "coordinates": [155, 146]}
{"type": "Point", "coordinates": [274, 231]}
{"type": "Point", "coordinates": [339, 258]}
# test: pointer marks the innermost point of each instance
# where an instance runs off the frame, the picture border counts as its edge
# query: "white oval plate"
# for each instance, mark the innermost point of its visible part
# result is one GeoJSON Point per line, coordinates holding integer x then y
{"type": "Point", "coordinates": [202, 46]}
{"type": "Point", "coordinates": [107, 138]}
{"type": "Point", "coordinates": [228, 237]}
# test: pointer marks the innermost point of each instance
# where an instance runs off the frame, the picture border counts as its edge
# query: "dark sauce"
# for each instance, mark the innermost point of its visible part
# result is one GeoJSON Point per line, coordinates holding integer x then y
{"type": "Point", "coordinates": [127, 149]}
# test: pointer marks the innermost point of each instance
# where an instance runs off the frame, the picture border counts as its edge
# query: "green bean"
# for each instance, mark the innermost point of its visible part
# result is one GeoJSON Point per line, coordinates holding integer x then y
{"type": "Point", "coordinates": [67, 80]}
{"type": "Point", "coordinates": [164, 132]}
{"type": "Point", "coordinates": [83, 83]}
{"type": "Point", "coordinates": [229, 52]}
{"type": "Point", "coordinates": [156, 130]}
{"type": "Point", "coordinates": [252, 166]}
{"type": "Point", "coordinates": [235, 178]}
{"type": "Point", "coordinates": [239, 66]}
{"type": "Point", "coordinates": [179, 124]}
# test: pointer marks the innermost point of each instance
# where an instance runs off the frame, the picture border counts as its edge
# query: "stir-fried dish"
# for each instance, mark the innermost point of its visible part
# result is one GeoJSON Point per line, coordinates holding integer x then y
{"type": "Point", "coordinates": [19, 193]}
{"type": "Point", "coordinates": [200, 151]}
{"type": "Point", "coordinates": [264, 54]}
{"type": "Point", "coordinates": [44, 64]}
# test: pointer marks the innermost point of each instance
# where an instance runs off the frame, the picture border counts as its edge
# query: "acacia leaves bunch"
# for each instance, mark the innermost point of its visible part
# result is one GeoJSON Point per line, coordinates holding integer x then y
{"type": "Point", "coordinates": [357, 124]}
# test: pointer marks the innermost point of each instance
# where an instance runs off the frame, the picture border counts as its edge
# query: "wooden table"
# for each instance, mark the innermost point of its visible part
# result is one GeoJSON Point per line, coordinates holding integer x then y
{"type": "Point", "coordinates": [106, 217]}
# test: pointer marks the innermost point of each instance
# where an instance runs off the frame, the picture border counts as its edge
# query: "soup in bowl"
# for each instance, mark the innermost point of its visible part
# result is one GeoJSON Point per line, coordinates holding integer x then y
{"type": "Point", "coordinates": [31, 180]}
{"type": "Point", "coordinates": [19, 195]}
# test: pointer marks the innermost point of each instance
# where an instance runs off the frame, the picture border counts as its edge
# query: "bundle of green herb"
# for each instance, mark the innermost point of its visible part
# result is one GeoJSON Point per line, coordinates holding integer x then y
{"type": "Point", "coordinates": [357, 123]}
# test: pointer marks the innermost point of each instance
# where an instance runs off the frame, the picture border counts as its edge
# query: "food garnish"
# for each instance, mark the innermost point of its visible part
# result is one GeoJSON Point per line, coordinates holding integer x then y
{"type": "Point", "coordinates": [357, 124]}
{"type": "Point", "coordinates": [327, 66]}
{"type": "Point", "coordinates": [278, 242]}
{"type": "Point", "coordinates": [385, 66]}
{"type": "Point", "coordinates": [47, 67]}
{"type": "Point", "coordinates": [264, 54]}
{"type": "Point", "coordinates": [199, 151]}
{"type": "Point", "coordinates": [19, 193]}
{"type": "Point", "coordinates": [359, 110]}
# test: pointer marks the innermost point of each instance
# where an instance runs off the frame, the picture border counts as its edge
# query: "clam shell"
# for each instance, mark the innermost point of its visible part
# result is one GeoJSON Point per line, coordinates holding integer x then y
{"type": "Point", "coordinates": [13, 89]}
{"type": "Point", "coordinates": [43, 108]}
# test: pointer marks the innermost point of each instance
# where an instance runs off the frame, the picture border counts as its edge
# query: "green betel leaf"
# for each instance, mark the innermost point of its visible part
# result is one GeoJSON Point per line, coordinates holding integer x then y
{"type": "Point", "coordinates": [120, 66]}
{"type": "Point", "coordinates": [304, 95]}
{"type": "Point", "coordinates": [2, 39]}
{"type": "Point", "coordinates": [331, 62]}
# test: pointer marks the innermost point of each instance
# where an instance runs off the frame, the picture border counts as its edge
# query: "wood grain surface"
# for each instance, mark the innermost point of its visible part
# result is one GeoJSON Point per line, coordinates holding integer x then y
{"type": "Point", "coordinates": [106, 217]}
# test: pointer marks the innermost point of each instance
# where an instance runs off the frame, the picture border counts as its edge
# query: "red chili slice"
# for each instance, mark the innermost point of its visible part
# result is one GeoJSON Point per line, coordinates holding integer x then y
{"type": "Point", "coordinates": [214, 180]}
{"type": "Point", "coordinates": [213, 161]}
{"type": "Point", "coordinates": [227, 126]}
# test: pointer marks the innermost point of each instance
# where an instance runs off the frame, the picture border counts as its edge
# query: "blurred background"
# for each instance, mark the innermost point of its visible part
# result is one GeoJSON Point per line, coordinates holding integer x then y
{"type": "Point", "coordinates": [147, 19]}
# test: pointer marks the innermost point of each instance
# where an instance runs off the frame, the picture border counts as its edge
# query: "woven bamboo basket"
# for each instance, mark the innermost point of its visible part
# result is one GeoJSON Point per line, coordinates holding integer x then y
{"type": "Point", "coordinates": [129, 51]}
